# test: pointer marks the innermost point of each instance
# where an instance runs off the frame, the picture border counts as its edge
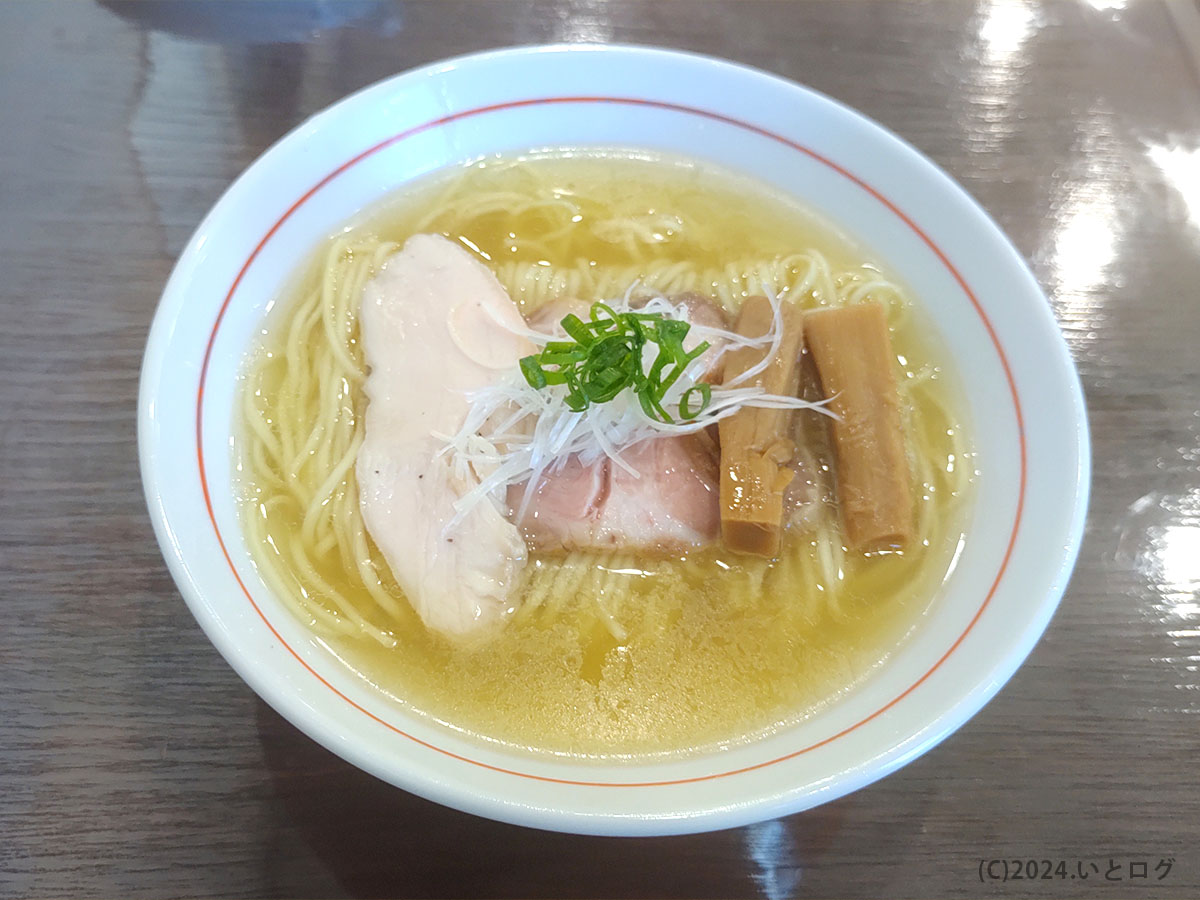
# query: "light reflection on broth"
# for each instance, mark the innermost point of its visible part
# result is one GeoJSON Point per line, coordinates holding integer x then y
{"type": "Point", "coordinates": [617, 652]}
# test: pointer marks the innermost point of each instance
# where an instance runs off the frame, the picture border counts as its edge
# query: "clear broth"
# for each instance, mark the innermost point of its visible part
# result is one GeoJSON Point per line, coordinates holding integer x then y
{"type": "Point", "coordinates": [717, 647]}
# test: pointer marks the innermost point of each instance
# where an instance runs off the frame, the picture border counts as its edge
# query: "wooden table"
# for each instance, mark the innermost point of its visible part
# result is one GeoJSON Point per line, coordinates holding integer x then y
{"type": "Point", "coordinates": [134, 762]}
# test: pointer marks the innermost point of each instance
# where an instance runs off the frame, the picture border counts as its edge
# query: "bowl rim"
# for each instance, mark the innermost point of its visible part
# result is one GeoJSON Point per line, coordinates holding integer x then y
{"type": "Point", "coordinates": [947, 719]}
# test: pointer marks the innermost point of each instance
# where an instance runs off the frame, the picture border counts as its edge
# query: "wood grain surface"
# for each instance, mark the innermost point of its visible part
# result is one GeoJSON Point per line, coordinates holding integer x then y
{"type": "Point", "coordinates": [134, 762]}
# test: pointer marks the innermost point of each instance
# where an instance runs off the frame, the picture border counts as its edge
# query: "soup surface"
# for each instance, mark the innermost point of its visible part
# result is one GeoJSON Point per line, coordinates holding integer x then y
{"type": "Point", "coordinates": [613, 653]}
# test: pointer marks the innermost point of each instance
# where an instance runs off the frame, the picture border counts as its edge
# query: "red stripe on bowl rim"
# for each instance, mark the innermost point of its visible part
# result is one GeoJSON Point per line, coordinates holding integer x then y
{"type": "Point", "coordinates": [671, 107]}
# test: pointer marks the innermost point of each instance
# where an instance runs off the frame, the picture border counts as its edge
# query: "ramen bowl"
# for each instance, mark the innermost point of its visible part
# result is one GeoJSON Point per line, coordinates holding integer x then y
{"type": "Point", "coordinates": [1021, 391]}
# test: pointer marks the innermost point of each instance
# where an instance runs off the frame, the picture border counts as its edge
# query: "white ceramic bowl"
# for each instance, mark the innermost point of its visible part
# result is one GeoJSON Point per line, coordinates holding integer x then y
{"type": "Point", "coordinates": [1024, 397]}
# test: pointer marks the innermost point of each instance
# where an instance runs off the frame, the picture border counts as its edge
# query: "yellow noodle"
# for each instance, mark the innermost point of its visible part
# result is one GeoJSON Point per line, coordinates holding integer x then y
{"type": "Point", "coordinates": [303, 407]}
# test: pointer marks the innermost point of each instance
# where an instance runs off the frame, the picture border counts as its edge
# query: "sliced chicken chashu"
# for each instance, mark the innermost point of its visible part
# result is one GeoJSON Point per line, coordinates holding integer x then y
{"type": "Point", "coordinates": [435, 324]}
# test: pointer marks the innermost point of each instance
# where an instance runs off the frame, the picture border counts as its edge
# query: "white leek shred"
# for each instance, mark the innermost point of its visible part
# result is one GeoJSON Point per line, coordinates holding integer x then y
{"type": "Point", "coordinates": [514, 433]}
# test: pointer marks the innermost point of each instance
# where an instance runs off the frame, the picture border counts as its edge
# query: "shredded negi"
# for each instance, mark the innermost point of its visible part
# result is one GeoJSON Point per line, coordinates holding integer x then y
{"type": "Point", "coordinates": [612, 385]}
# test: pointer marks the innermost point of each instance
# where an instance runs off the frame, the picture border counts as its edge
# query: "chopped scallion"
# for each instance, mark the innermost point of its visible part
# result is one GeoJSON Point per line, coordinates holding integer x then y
{"type": "Point", "coordinates": [604, 357]}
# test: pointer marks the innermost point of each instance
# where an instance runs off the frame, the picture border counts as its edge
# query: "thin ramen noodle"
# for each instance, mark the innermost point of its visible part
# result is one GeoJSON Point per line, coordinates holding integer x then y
{"type": "Point", "coordinates": [615, 652]}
